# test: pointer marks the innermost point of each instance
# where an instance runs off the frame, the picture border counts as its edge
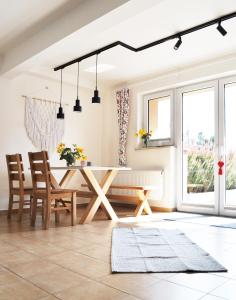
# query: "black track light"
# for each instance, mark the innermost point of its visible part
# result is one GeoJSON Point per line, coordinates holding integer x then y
{"type": "Point", "coordinates": [221, 29]}
{"type": "Point", "coordinates": [77, 107]}
{"type": "Point", "coordinates": [96, 98]}
{"type": "Point", "coordinates": [60, 114]}
{"type": "Point", "coordinates": [178, 43]}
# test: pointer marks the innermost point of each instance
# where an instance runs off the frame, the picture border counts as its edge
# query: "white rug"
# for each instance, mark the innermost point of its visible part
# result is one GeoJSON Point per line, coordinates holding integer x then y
{"type": "Point", "coordinates": [158, 250]}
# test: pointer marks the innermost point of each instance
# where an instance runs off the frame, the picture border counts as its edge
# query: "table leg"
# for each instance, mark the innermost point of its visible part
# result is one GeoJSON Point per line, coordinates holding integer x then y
{"type": "Point", "coordinates": [143, 204]}
{"type": "Point", "coordinates": [64, 181]}
{"type": "Point", "coordinates": [100, 198]}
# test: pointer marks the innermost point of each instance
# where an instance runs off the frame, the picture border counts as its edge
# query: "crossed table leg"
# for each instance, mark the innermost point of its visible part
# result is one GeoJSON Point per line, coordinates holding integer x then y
{"type": "Point", "coordinates": [99, 191]}
{"type": "Point", "coordinates": [99, 198]}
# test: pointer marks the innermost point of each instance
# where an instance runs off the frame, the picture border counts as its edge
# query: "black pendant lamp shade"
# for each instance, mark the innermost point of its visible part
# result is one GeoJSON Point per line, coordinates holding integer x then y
{"type": "Point", "coordinates": [60, 114]}
{"type": "Point", "coordinates": [77, 107]}
{"type": "Point", "coordinates": [96, 98]}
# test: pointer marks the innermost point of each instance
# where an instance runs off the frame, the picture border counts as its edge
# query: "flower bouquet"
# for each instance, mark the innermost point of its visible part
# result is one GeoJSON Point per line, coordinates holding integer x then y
{"type": "Point", "coordinates": [144, 135]}
{"type": "Point", "coordinates": [70, 155]}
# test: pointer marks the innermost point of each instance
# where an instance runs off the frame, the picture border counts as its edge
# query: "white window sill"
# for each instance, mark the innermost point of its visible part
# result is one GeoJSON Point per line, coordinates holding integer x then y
{"type": "Point", "coordinates": [153, 147]}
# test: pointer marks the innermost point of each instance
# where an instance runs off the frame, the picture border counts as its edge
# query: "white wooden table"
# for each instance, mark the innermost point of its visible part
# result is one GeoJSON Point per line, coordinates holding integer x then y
{"type": "Point", "coordinates": [99, 190]}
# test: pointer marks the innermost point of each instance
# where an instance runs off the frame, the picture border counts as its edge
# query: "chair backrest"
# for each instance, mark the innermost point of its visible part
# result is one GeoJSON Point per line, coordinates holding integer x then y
{"type": "Point", "coordinates": [40, 171]}
{"type": "Point", "coordinates": [15, 171]}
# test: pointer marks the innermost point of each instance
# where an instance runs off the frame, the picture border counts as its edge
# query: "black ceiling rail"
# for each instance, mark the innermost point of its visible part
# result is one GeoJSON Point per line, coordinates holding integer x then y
{"type": "Point", "coordinates": [149, 45]}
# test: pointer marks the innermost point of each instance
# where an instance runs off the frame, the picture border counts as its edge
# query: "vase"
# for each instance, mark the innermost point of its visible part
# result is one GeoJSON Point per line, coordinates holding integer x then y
{"type": "Point", "coordinates": [145, 141]}
{"type": "Point", "coordinates": [70, 163]}
{"type": "Point", "coordinates": [82, 163]}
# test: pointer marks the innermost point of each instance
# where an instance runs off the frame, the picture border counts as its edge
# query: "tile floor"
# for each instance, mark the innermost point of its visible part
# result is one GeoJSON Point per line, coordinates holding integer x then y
{"type": "Point", "coordinates": [73, 263]}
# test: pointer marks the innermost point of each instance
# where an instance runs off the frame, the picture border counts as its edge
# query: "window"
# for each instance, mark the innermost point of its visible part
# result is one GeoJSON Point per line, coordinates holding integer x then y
{"type": "Point", "coordinates": [158, 118]}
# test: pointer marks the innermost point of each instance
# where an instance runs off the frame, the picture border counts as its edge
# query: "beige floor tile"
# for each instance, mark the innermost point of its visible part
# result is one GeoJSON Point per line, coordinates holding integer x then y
{"type": "Point", "coordinates": [7, 277]}
{"type": "Point", "coordinates": [6, 248]}
{"type": "Point", "coordinates": [32, 268]}
{"type": "Point", "coordinates": [80, 255]}
{"type": "Point", "coordinates": [98, 252]}
{"type": "Point", "coordinates": [72, 243]}
{"type": "Point", "coordinates": [91, 291]}
{"type": "Point", "coordinates": [49, 298]}
{"type": "Point", "coordinates": [21, 291]}
{"type": "Point", "coordinates": [45, 250]}
{"type": "Point", "coordinates": [202, 282]}
{"type": "Point", "coordinates": [130, 283]}
{"type": "Point", "coordinates": [168, 291]}
{"type": "Point", "coordinates": [227, 290]}
{"type": "Point", "coordinates": [163, 275]}
{"type": "Point", "coordinates": [16, 257]}
{"type": "Point", "coordinates": [211, 297]}
{"type": "Point", "coordinates": [129, 297]}
{"type": "Point", "coordinates": [82, 264]}
{"type": "Point", "coordinates": [57, 280]}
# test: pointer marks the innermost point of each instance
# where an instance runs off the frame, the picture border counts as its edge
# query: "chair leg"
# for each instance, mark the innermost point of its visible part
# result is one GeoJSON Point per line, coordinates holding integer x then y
{"type": "Point", "coordinates": [73, 209]}
{"type": "Point", "coordinates": [10, 205]}
{"type": "Point", "coordinates": [21, 206]}
{"type": "Point", "coordinates": [31, 205]}
{"type": "Point", "coordinates": [33, 211]}
{"type": "Point", "coordinates": [42, 209]}
{"type": "Point", "coordinates": [57, 213]}
{"type": "Point", "coordinates": [47, 216]}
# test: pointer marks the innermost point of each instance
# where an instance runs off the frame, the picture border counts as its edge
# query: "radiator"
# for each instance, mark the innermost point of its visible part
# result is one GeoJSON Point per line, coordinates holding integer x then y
{"type": "Point", "coordinates": [141, 177]}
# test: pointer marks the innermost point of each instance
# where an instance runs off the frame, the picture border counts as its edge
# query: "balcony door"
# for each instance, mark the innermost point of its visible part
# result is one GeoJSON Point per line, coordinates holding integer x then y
{"type": "Point", "coordinates": [227, 116]}
{"type": "Point", "coordinates": [207, 148]}
{"type": "Point", "coordinates": [198, 147]}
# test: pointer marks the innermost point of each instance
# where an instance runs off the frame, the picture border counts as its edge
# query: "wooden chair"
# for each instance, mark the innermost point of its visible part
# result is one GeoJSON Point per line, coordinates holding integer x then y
{"type": "Point", "coordinates": [42, 189]}
{"type": "Point", "coordinates": [16, 184]}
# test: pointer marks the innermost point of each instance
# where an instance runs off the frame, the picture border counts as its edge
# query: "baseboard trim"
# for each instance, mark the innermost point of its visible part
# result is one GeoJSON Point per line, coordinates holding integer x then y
{"type": "Point", "coordinates": [154, 208]}
{"type": "Point", "coordinates": [163, 209]}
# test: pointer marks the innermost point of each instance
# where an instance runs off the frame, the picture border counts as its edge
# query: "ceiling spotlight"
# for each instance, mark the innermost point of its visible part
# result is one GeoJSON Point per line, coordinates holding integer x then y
{"type": "Point", "coordinates": [77, 107]}
{"type": "Point", "coordinates": [221, 29]}
{"type": "Point", "coordinates": [178, 43]}
{"type": "Point", "coordinates": [60, 114]}
{"type": "Point", "coordinates": [96, 98]}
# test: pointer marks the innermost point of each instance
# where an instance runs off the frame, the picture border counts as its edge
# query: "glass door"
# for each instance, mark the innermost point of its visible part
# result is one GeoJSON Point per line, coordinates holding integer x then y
{"type": "Point", "coordinates": [228, 146]}
{"type": "Point", "coordinates": [198, 142]}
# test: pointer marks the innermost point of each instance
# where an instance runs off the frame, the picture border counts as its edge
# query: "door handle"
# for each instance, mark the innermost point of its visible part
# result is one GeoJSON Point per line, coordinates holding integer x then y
{"type": "Point", "coordinates": [220, 165]}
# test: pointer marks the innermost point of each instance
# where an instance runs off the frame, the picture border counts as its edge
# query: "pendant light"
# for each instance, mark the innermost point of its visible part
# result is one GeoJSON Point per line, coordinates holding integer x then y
{"type": "Point", "coordinates": [60, 114]}
{"type": "Point", "coordinates": [77, 107]}
{"type": "Point", "coordinates": [96, 98]}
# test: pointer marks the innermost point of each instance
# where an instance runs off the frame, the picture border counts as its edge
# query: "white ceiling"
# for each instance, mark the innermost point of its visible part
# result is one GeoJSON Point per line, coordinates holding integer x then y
{"type": "Point", "coordinates": [19, 16]}
{"type": "Point", "coordinates": [156, 21]}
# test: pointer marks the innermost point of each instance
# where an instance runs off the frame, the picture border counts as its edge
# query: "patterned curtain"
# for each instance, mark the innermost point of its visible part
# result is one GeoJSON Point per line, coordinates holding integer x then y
{"type": "Point", "coordinates": [122, 100]}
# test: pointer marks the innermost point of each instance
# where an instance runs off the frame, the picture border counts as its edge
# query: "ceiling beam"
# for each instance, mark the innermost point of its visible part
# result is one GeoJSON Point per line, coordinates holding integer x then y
{"type": "Point", "coordinates": [54, 30]}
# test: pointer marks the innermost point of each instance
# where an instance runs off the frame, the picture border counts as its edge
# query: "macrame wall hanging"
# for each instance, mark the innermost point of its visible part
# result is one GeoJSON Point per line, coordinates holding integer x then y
{"type": "Point", "coordinates": [42, 126]}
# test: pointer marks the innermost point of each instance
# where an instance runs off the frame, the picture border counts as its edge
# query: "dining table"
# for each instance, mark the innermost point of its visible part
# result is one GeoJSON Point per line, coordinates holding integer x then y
{"type": "Point", "coordinates": [98, 188]}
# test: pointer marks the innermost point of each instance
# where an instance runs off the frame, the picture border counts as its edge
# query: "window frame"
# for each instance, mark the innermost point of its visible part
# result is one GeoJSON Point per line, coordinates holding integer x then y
{"type": "Point", "coordinates": [161, 94]}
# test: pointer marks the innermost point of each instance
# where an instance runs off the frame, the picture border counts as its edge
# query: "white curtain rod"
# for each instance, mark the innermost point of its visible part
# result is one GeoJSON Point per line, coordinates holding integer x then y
{"type": "Point", "coordinates": [45, 100]}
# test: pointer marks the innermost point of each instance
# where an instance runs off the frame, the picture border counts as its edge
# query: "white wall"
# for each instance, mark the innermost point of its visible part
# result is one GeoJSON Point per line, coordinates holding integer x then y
{"type": "Point", "coordinates": [138, 159]}
{"type": "Point", "coordinates": [162, 157]}
{"type": "Point", "coordinates": [84, 129]}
